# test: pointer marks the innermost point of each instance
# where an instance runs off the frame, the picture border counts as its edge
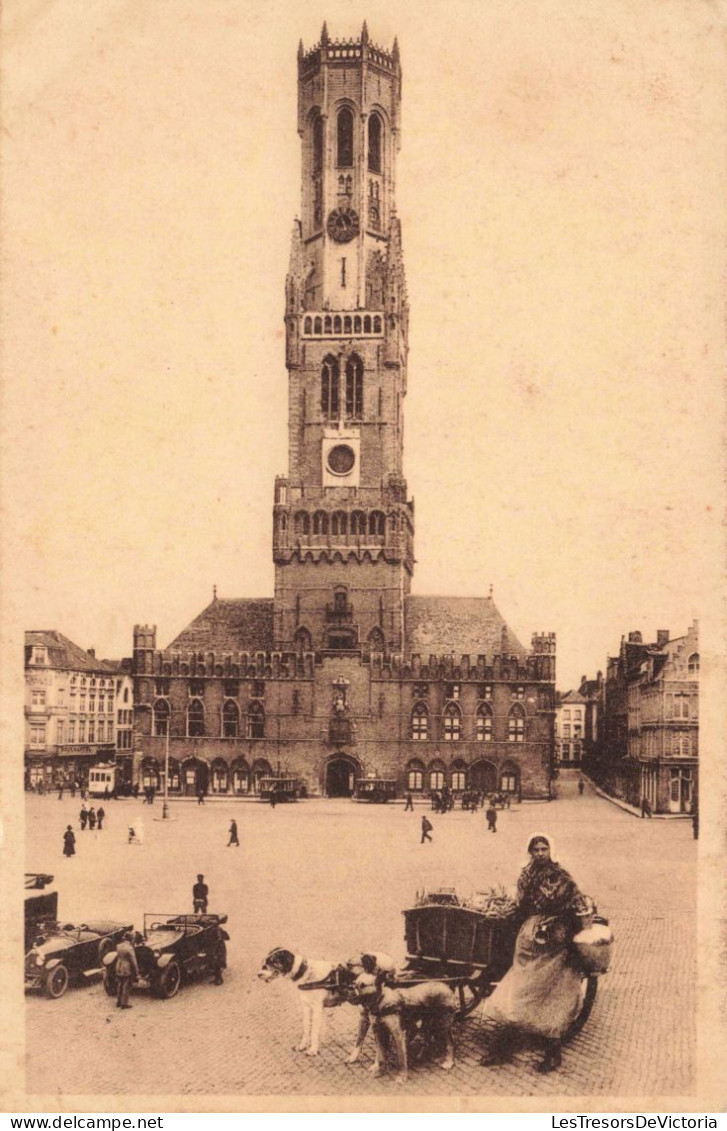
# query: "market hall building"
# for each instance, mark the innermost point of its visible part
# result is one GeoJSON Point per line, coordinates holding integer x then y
{"type": "Point", "coordinates": [344, 673]}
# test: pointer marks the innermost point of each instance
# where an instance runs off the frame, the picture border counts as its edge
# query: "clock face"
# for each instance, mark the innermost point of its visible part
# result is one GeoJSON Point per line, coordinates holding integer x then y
{"type": "Point", "coordinates": [341, 459]}
{"type": "Point", "coordinates": [343, 224]}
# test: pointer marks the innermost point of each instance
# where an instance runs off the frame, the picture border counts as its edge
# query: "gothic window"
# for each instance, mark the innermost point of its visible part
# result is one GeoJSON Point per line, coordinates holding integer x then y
{"type": "Point", "coordinates": [358, 522]}
{"type": "Point", "coordinates": [376, 640]}
{"type": "Point", "coordinates": [419, 723]}
{"type": "Point", "coordinates": [303, 641]}
{"type": "Point", "coordinates": [452, 723]}
{"type": "Point", "coordinates": [367, 324]}
{"type": "Point", "coordinates": [436, 779]}
{"type": "Point", "coordinates": [308, 325]}
{"type": "Point", "coordinates": [195, 719]}
{"type": "Point", "coordinates": [320, 522]}
{"type": "Point", "coordinates": [196, 687]}
{"type": "Point", "coordinates": [377, 325]}
{"type": "Point", "coordinates": [255, 721]}
{"type": "Point", "coordinates": [483, 724]}
{"type": "Point", "coordinates": [337, 326]}
{"type": "Point", "coordinates": [354, 387]}
{"type": "Point", "coordinates": [347, 325]}
{"type": "Point", "coordinates": [415, 776]}
{"type": "Point", "coordinates": [318, 326]}
{"type": "Point", "coordinates": [302, 523]}
{"type": "Point", "coordinates": [339, 522]}
{"type": "Point", "coordinates": [374, 156]}
{"type": "Point", "coordinates": [357, 324]}
{"type": "Point", "coordinates": [330, 404]}
{"type": "Point", "coordinates": [459, 781]}
{"type": "Point", "coordinates": [317, 144]}
{"type": "Point", "coordinates": [328, 324]}
{"type": "Point", "coordinates": [344, 138]}
{"type": "Point", "coordinates": [161, 717]}
{"type": "Point", "coordinates": [230, 720]}
{"type": "Point", "coordinates": [377, 523]}
{"type": "Point", "coordinates": [693, 664]}
{"type": "Point", "coordinates": [452, 690]}
{"type": "Point", "coordinates": [516, 725]}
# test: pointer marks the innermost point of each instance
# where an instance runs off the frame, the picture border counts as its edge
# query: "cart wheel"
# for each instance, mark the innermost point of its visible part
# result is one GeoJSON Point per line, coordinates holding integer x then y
{"type": "Point", "coordinates": [470, 992]}
{"type": "Point", "coordinates": [589, 988]}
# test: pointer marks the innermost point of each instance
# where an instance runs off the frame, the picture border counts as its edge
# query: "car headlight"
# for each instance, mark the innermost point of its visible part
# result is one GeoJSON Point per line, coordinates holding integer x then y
{"type": "Point", "coordinates": [157, 953]}
{"type": "Point", "coordinates": [39, 960]}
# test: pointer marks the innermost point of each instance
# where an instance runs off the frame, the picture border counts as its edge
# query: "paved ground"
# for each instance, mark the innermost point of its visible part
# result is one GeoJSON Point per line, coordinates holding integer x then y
{"type": "Point", "coordinates": [328, 878]}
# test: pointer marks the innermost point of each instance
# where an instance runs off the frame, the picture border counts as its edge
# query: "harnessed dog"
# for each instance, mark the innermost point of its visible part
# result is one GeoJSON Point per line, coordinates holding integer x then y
{"type": "Point", "coordinates": [422, 1013]}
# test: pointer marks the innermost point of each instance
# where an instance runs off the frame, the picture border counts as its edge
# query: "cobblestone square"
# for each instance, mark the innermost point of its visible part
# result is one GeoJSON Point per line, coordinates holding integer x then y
{"type": "Point", "coordinates": [330, 878]}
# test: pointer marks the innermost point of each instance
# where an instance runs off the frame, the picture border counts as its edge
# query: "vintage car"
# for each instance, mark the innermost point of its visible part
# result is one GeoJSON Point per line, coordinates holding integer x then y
{"type": "Point", "coordinates": [173, 949]}
{"type": "Point", "coordinates": [62, 953]}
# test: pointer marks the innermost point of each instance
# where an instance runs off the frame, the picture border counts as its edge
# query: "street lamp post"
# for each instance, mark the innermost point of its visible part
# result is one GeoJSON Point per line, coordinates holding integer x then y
{"type": "Point", "coordinates": [165, 806]}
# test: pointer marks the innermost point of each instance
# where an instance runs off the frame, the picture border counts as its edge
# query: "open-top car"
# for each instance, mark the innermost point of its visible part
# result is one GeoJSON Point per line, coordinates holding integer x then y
{"type": "Point", "coordinates": [173, 949]}
{"type": "Point", "coordinates": [63, 953]}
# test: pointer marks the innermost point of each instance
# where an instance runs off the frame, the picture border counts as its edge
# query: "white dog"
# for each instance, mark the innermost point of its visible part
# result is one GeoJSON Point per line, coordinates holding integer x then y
{"type": "Point", "coordinates": [314, 985]}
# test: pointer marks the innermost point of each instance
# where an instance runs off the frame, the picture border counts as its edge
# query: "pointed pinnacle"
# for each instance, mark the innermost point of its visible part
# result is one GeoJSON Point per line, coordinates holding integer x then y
{"type": "Point", "coordinates": [324, 35]}
{"type": "Point", "coordinates": [364, 33]}
{"type": "Point", "coordinates": [300, 48]}
{"type": "Point", "coordinates": [395, 50]}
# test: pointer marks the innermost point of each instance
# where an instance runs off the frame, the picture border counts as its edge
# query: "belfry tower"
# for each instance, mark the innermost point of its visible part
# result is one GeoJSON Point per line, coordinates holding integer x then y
{"type": "Point", "coordinates": [343, 528]}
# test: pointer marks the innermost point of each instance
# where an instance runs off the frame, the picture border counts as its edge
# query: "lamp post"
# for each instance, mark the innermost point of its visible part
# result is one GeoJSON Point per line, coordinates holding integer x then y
{"type": "Point", "coordinates": [165, 806]}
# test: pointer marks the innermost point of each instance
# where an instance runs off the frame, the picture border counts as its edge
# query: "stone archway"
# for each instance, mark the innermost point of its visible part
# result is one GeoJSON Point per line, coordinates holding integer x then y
{"type": "Point", "coordinates": [340, 773]}
{"type": "Point", "coordinates": [195, 777]}
{"type": "Point", "coordinates": [483, 777]}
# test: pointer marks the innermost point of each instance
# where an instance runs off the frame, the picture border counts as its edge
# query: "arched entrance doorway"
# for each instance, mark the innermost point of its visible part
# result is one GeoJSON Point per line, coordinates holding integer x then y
{"type": "Point", "coordinates": [340, 776]}
{"type": "Point", "coordinates": [195, 777]}
{"type": "Point", "coordinates": [483, 777]}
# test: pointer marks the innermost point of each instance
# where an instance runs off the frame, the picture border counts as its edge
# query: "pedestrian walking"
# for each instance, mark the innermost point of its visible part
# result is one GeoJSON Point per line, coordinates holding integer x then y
{"type": "Point", "coordinates": [200, 797]}
{"type": "Point", "coordinates": [233, 835]}
{"type": "Point", "coordinates": [581, 786]}
{"type": "Point", "coordinates": [83, 817]}
{"type": "Point", "coordinates": [133, 838]}
{"type": "Point", "coordinates": [491, 815]}
{"type": "Point", "coordinates": [69, 842]}
{"type": "Point", "coordinates": [101, 814]}
{"type": "Point", "coordinates": [409, 802]}
{"type": "Point", "coordinates": [92, 818]}
{"type": "Point", "coordinates": [427, 827]}
{"type": "Point", "coordinates": [106, 794]}
{"type": "Point", "coordinates": [200, 896]}
{"type": "Point", "coordinates": [73, 789]}
{"type": "Point", "coordinates": [60, 792]}
{"type": "Point", "coordinates": [127, 970]}
{"type": "Point", "coordinates": [83, 794]}
{"type": "Point", "coordinates": [645, 808]}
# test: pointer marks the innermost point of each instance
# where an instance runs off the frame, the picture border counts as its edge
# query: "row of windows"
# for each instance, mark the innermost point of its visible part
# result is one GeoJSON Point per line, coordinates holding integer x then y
{"type": "Point", "coordinates": [343, 324]}
{"type": "Point", "coordinates": [254, 720]}
{"type": "Point", "coordinates": [452, 724]}
{"type": "Point", "coordinates": [454, 691]}
{"type": "Point", "coordinates": [82, 731]}
{"type": "Point", "coordinates": [417, 780]}
{"type": "Point", "coordinates": [196, 687]}
{"type": "Point", "coordinates": [344, 141]}
{"type": "Point", "coordinates": [357, 523]}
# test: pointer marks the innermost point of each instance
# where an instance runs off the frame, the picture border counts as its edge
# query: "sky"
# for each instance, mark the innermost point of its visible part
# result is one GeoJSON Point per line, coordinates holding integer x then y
{"type": "Point", "coordinates": [560, 185]}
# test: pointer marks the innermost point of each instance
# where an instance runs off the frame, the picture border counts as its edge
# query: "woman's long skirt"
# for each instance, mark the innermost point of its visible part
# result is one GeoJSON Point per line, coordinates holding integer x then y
{"type": "Point", "coordinates": [541, 992]}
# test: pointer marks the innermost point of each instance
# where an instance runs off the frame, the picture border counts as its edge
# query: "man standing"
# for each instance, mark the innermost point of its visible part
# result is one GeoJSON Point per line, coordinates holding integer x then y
{"type": "Point", "coordinates": [83, 816]}
{"type": "Point", "coordinates": [581, 787]}
{"type": "Point", "coordinates": [200, 895]}
{"type": "Point", "coordinates": [427, 827]}
{"type": "Point", "coordinates": [491, 815]}
{"type": "Point", "coordinates": [233, 835]}
{"type": "Point", "coordinates": [92, 818]}
{"type": "Point", "coordinates": [127, 970]}
{"type": "Point", "coordinates": [101, 814]}
{"type": "Point", "coordinates": [218, 954]}
{"type": "Point", "coordinates": [409, 802]}
{"type": "Point", "coordinates": [645, 808]}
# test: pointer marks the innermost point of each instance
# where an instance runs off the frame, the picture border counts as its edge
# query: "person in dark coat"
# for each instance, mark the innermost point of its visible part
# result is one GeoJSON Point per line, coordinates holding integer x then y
{"type": "Point", "coordinates": [60, 792]}
{"type": "Point", "coordinates": [409, 802]}
{"type": "Point", "coordinates": [233, 835]}
{"type": "Point", "coordinates": [491, 815]}
{"type": "Point", "coordinates": [218, 955]}
{"type": "Point", "coordinates": [127, 969]}
{"type": "Point", "coordinates": [200, 895]}
{"type": "Point", "coordinates": [83, 817]}
{"type": "Point", "coordinates": [581, 787]}
{"type": "Point", "coordinates": [645, 808]}
{"type": "Point", "coordinates": [427, 827]}
{"type": "Point", "coordinates": [69, 842]}
{"type": "Point", "coordinates": [101, 814]}
{"type": "Point", "coordinates": [92, 818]}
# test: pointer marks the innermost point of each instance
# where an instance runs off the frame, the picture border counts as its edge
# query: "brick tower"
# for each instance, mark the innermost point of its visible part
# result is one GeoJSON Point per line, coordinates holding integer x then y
{"type": "Point", "coordinates": [343, 528]}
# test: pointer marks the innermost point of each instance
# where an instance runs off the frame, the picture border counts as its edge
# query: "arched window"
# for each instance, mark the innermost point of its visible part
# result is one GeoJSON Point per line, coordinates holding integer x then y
{"type": "Point", "coordinates": [195, 719]}
{"type": "Point", "coordinates": [516, 725]}
{"type": "Point", "coordinates": [337, 325]}
{"type": "Point", "coordinates": [415, 776]}
{"type": "Point", "coordinates": [317, 133]}
{"type": "Point", "coordinates": [347, 324]}
{"type": "Point", "coordinates": [330, 403]}
{"type": "Point", "coordinates": [483, 724]}
{"type": "Point", "coordinates": [302, 523]}
{"type": "Point", "coordinates": [255, 721]}
{"type": "Point", "coordinates": [693, 663]}
{"type": "Point", "coordinates": [344, 139]}
{"type": "Point", "coordinates": [374, 157]}
{"type": "Point", "coordinates": [436, 779]}
{"type": "Point", "coordinates": [339, 522]}
{"type": "Point", "coordinates": [303, 641]}
{"type": "Point", "coordinates": [419, 724]}
{"type": "Point", "coordinates": [367, 324]}
{"type": "Point", "coordinates": [161, 717]}
{"type": "Point", "coordinates": [458, 781]}
{"type": "Point", "coordinates": [376, 640]}
{"type": "Point", "coordinates": [230, 720]}
{"type": "Point", "coordinates": [377, 522]}
{"type": "Point", "coordinates": [357, 323]}
{"type": "Point", "coordinates": [318, 326]}
{"type": "Point", "coordinates": [354, 386]}
{"type": "Point", "coordinates": [377, 325]}
{"type": "Point", "coordinates": [452, 723]}
{"type": "Point", "coordinates": [308, 325]}
{"type": "Point", "coordinates": [320, 522]}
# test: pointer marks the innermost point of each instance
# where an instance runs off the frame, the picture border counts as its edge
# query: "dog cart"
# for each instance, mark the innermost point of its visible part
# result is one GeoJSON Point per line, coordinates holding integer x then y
{"type": "Point", "coordinates": [471, 947]}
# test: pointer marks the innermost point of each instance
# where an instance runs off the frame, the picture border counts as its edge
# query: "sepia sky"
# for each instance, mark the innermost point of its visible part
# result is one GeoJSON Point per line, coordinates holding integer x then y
{"type": "Point", "coordinates": [560, 186]}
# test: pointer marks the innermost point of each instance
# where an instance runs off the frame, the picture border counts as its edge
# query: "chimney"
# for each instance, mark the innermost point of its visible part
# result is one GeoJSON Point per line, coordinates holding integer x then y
{"type": "Point", "coordinates": [662, 637]}
{"type": "Point", "coordinates": [92, 653]}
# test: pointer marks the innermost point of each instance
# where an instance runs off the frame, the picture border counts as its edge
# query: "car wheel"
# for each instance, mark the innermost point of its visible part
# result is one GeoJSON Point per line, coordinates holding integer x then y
{"type": "Point", "coordinates": [169, 981]}
{"type": "Point", "coordinates": [56, 983]}
{"type": "Point", "coordinates": [103, 949]}
{"type": "Point", "coordinates": [110, 983]}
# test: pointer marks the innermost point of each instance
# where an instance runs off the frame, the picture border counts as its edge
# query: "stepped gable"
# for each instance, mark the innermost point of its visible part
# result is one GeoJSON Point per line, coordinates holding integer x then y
{"type": "Point", "coordinates": [64, 654]}
{"type": "Point", "coordinates": [463, 625]}
{"type": "Point", "coordinates": [239, 625]}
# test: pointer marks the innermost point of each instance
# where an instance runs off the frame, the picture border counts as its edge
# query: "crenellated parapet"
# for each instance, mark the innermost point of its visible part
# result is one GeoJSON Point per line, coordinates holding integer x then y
{"type": "Point", "coordinates": [232, 665]}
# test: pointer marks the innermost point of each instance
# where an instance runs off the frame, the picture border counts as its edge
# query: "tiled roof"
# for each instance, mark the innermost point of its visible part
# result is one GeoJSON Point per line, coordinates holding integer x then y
{"type": "Point", "coordinates": [464, 625]}
{"type": "Point", "coordinates": [572, 697]}
{"type": "Point", "coordinates": [63, 653]}
{"type": "Point", "coordinates": [241, 625]}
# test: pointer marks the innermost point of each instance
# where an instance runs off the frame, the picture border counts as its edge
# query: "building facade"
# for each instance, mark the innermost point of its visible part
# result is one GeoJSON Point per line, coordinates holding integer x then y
{"type": "Point", "coordinates": [345, 673]}
{"type": "Point", "coordinates": [570, 728]}
{"type": "Point", "coordinates": [70, 710]}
